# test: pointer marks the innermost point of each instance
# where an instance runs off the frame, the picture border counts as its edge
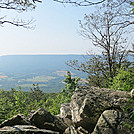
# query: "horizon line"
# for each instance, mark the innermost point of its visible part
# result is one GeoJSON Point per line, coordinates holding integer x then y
{"type": "Point", "coordinates": [38, 54]}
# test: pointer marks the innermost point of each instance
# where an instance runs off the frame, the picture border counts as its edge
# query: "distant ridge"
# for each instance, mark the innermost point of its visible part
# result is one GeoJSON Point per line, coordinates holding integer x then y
{"type": "Point", "coordinates": [40, 54]}
{"type": "Point", "coordinates": [25, 70]}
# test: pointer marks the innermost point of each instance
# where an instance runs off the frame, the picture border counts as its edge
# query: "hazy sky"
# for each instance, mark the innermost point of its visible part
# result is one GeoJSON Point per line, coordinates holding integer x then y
{"type": "Point", "coordinates": [56, 31]}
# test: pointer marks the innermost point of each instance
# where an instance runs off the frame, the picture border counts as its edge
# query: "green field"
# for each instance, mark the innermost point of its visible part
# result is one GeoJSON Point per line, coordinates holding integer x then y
{"type": "Point", "coordinates": [62, 73]}
{"type": "Point", "coordinates": [25, 81]}
{"type": "Point", "coordinates": [38, 79]}
{"type": "Point", "coordinates": [30, 85]}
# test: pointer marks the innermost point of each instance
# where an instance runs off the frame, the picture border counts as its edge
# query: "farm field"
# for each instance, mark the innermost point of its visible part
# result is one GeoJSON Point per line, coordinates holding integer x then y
{"type": "Point", "coordinates": [25, 70]}
{"type": "Point", "coordinates": [45, 82]}
{"type": "Point", "coordinates": [46, 70]}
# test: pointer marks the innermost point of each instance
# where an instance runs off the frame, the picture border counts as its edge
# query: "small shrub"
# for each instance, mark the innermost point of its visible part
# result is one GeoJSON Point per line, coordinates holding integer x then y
{"type": "Point", "coordinates": [123, 81]}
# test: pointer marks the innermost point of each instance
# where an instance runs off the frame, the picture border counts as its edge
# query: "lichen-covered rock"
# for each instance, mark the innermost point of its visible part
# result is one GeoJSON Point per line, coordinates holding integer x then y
{"type": "Point", "coordinates": [67, 121]}
{"type": "Point", "coordinates": [18, 119]}
{"type": "Point", "coordinates": [70, 130]}
{"type": "Point", "coordinates": [88, 103]}
{"type": "Point", "coordinates": [24, 129]}
{"type": "Point", "coordinates": [45, 120]}
{"type": "Point", "coordinates": [111, 122]}
{"type": "Point", "coordinates": [65, 110]}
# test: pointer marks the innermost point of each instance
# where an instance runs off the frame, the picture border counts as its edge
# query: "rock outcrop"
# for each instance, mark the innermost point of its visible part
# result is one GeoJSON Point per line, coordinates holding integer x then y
{"type": "Point", "coordinates": [18, 119]}
{"type": "Point", "coordinates": [45, 120]}
{"type": "Point", "coordinates": [65, 111]}
{"type": "Point", "coordinates": [25, 129]}
{"type": "Point", "coordinates": [88, 103]}
{"type": "Point", "coordinates": [91, 111]}
{"type": "Point", "coordinates": [111, 122]}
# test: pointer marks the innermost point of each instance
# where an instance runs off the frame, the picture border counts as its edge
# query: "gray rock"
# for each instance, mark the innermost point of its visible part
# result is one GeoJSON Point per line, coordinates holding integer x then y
{"type": "Point", "coordinates": [70, 130]}
{"type": "Point", "coordinates": [24, 129]}
{"type": "Point", "coordinates": [45, 120]}
{"type": "Point", "coordinates": [18, 119]}
{"type": "Point", "coordinates": [67, 121]}
{"type": "Point", "coordinates": [110, 122]}
{"type": "Point", "coordinates": [88, 103]}
{"type": "Point", "coordinates": [65, 110]}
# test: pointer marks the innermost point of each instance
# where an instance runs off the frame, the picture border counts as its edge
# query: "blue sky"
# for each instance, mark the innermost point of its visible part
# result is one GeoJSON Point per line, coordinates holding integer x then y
{"type": "Point", "coordinates": [56, 31]}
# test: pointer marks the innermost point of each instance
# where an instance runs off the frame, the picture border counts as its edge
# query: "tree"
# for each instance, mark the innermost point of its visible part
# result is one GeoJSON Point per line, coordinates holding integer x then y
{"type": "Point", "coordinates": [36, 93]}
{"type": "Point", "coordinates": [70, 84]}
{"type": "Point", "coordinates": [20, 6]}
{"type": "Point", "coordinates": [108, 29]}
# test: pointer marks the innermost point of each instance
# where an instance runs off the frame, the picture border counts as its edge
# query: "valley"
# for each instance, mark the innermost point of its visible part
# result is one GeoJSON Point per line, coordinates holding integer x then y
{"type": "Point", "coordinates": [22, 71]}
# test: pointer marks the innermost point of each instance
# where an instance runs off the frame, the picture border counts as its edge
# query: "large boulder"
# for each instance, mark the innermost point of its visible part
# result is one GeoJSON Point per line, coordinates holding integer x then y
{"type": "Point", "coordinates": [45, 120]}
{"type": "Point", "coordinates": [65, 110]}
{"type": "Point", "coordinates": [111, 122]}
{"type": "Point", "coordinates": [65, 114]}
{"type": "Point", "coordinates": [24, 129]}
{"type": "Point", "coordinates": [18, 119]}
{"type": "Point", "coordinates": [67, 121]}
{"type": "Point", "coordinates": [88, 103]}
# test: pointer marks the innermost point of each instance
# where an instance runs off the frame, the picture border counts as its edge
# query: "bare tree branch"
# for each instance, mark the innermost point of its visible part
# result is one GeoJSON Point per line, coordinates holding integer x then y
{"type": "Point", "coordinates": [21, 6]}
{"type": "Point", "coordinates": [20, 23]}
{"type": "Point", "coordinates": [80, 2]}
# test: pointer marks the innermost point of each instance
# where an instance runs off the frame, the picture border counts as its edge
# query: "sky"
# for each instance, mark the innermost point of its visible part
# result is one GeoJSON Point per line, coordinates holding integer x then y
{"type": "Point", "coordinates": [56, 31]}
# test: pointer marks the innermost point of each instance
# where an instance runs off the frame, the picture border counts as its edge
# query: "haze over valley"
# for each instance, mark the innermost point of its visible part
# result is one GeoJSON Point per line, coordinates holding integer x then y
{"type": "Point", "coordinates": [25, 70]}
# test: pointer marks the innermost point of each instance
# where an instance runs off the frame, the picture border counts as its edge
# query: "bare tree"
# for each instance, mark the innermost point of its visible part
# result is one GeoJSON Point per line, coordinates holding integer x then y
{"type": "Point", "coordinates": [20, 6]}
{"type": "Point", "coordinates": [91, 2]}
{"type": "Point", "coordinates": [80, 2]}
{"type": "Point", "coordinates": [107, 28]}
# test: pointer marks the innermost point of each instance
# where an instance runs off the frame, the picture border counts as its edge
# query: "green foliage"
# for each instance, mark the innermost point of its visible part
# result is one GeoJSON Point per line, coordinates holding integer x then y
{"type": "Point", "coordinates": [53, 104]}
{"type": "Point", "coordinates": [129, 109]}
{"type": "Point", "coordinates": [124, 80]}
{"type": "Point", "coordinates": [98, 70]}
{"type": "Point", "coordinates": [70, 84]}
{"type": "Point", "coordinates": [15, 101]}
{"type": "Point", "coordinates": [36, 93]}
{"type": "Point", "coordinates": [132, 4]}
